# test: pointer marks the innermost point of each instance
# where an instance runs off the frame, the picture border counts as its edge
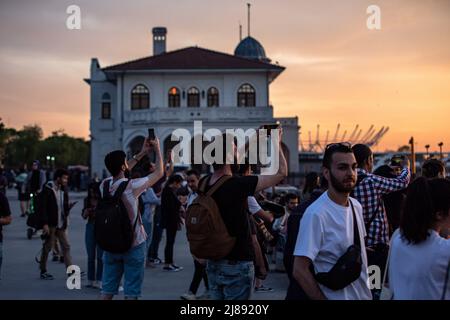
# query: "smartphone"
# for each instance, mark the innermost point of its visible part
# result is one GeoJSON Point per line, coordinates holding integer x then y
{"type": "Point", "coordinates": [271, 126]}
{"type": "Point", "coordinates": [151, 134]}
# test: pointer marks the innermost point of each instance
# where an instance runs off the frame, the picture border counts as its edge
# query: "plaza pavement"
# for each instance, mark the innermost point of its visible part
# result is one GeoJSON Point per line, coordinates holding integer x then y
{"type": "Point", "coordinates": [20, 272]}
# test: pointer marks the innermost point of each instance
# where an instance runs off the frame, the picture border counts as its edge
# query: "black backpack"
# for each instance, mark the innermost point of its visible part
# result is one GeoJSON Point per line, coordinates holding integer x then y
{"type": "Point", "coordinates": [113, 230]}
{"type": "Point", "coordinates": [35, 219]}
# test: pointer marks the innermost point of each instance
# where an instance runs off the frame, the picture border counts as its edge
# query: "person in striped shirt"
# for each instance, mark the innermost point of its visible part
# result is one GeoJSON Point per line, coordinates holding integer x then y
{"type": "Point", "coordinates": [369, 191]}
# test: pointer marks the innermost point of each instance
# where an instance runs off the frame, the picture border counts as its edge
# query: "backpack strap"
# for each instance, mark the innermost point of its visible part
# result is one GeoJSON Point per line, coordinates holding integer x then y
{"type": "Point", "coordinates": [202, 184]}
{"type": "Point", "coordinates": [106, 193]}
{"type": "Point", "coordinates": [120, 190]}
{"type": "Point", "coordinates": [217, 185]}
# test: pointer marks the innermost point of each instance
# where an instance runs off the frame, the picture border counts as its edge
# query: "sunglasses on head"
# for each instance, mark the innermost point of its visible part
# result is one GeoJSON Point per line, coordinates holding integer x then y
{"type": "Point", "coordinates": [338, 144]}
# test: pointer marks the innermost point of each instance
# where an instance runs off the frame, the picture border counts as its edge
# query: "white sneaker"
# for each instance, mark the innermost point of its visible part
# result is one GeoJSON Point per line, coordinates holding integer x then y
{"type": "Point", "coordinates": [120, 288]}
{"type": "Point", "coordinates": [188, 296]}
{"type": "Point", "coordinates": [204, 296]}
{"type": "Point", "coordinates": [97, 285]}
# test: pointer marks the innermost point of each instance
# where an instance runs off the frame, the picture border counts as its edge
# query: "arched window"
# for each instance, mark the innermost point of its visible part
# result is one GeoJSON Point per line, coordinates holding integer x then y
{"type": "Point", "coordinates": [246, 96]}
{"type": "Point", "coordinates": [174, 97]}
{"type": "Point", "coordinates": [193, 96]}
{"type": "Point", "coordinates": [106, 106]}
{"type": "Point", "coordinates": [213, 97]}
{"type": "Point", "coordinates": [140, 97]}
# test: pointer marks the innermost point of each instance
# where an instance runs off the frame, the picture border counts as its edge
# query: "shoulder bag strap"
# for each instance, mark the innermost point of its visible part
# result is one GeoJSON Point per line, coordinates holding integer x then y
{"type": "Point", "coordinates": [217, 185]}
{"type": "Point", "coordinates": [356, 237]}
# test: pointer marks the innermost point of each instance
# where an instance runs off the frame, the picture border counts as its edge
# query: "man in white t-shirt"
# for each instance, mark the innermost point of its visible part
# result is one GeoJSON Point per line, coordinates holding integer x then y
{"type": "Point", "coordinates": [326, 229]}
{"type": "Point", "coordinates": [131, 263]}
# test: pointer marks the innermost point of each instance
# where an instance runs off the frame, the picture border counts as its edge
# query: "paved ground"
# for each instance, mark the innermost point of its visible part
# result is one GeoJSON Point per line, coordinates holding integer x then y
{"type": "Point", "coordinates": [20, 273]}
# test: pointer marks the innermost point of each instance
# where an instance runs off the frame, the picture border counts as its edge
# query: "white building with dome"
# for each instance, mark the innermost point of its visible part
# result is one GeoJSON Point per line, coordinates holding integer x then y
{"type": "Point", "coordinates": [170, 90]}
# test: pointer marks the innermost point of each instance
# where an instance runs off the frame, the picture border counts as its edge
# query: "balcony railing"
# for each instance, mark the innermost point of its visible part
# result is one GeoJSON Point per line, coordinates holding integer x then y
{"type": "Point", "coordinates": [189, 114]}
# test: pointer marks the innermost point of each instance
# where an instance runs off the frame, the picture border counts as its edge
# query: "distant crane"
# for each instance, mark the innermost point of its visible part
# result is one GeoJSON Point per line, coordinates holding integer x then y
{"type": "Point", "coordinates": [343, 136]}
{"type": "Point", "coordinates": [353, 133]}
{"type": "Point", "coordinates": [371, 137]}
{"type": "Point", "coordinates": [337, 132]}
{"type": "Point", "coordinates": [326, 139]}
{"type": "Point", "coordinates": [359, 133]}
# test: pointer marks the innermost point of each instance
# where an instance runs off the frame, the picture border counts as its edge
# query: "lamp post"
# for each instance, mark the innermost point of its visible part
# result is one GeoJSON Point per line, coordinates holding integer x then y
{"type": "Point", "coordinates": [427, 147]}
{"type": "Point", "coordinates": [440, 144]}
{"type": "Point", "coordinates": [53, 162]}
{"type": "Point", "coordinates": [48, 159]}
{"type": "Point", "coordinates": [413, 156]}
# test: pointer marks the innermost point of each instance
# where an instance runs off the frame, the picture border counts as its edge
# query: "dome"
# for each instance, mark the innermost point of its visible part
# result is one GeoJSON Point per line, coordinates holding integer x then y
{"type": "Point", "coordinates": [250, 48]}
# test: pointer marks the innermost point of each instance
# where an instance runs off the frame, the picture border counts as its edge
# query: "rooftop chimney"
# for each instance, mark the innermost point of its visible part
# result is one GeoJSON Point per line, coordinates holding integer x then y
{"type": "Point", "coordinates": [159, 40]}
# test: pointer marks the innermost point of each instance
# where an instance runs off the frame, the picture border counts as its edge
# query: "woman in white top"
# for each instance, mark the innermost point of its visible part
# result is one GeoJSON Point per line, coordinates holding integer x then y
{"type": "Point", "coordinates": [419, 262]}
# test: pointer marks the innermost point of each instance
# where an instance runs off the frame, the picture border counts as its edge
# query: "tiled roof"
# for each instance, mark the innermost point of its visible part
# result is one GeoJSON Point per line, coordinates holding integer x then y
{"type": "Point", "coordinates": [193, 58]}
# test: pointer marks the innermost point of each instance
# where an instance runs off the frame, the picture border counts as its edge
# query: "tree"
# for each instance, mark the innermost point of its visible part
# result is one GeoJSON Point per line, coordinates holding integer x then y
{"type": "Point", "coordinates": [23, 146]}
{"type": "Point", "coordinates": [66, 150]}
{"type": "Point", "coordinates": [6, 135]}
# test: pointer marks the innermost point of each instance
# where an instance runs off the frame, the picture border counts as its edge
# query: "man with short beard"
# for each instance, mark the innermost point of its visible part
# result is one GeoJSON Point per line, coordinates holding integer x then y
{"type": "Point", "coordinates": [327, 230]}
{"type": "Point", "coordinates": [55, 215]}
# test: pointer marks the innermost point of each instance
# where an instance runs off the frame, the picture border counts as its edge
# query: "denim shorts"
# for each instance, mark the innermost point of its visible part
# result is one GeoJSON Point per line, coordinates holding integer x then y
{"type": "Point", "coordinates": [130, 265]}
{"type": "Point", "coordinates": [230, 280]}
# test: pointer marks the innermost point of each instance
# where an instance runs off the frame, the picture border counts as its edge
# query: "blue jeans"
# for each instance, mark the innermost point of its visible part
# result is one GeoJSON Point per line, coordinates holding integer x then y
{"type": "Point", "coordinates": [230, 280]}
{"type": "Point", "coordinates": [1, 257]}
{"type": "Point", "coordinates": [148, 227]}
{"type": "Point", "coordinates": [129, 264]}
{"type": "Point", "coordinates": [94, 253]}
{"type": "Point", "coordinates": [156, 235]}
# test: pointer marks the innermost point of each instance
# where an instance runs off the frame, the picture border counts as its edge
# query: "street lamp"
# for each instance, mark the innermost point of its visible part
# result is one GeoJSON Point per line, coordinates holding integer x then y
{"type": "Point", "coordinates": [427, 147]}
{"type": "Point", "coordinates": [440, 144]}
{"type": "Point", "coordinates": [53, 162]}
{"type": "Point", "coordinates": [48, 159]}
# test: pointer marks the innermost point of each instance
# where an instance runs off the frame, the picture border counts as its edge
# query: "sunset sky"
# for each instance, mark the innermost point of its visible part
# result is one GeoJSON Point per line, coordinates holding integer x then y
{"type": "Point", "coordinates": [337, 71]}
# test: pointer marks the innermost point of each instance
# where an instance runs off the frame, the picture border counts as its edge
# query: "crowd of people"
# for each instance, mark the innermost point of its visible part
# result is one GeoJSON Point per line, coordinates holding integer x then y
{"type": "Point", "coordinates": [347, 219]}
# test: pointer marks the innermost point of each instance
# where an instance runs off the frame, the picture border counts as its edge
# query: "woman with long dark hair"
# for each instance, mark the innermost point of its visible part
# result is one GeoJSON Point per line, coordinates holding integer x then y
{"type": "Point", "coordinates": [420, 258]}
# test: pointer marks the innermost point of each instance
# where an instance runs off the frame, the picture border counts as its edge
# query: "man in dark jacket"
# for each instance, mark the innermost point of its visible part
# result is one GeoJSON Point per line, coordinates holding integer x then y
{"type": "Point", "coordinates": [54, 210]}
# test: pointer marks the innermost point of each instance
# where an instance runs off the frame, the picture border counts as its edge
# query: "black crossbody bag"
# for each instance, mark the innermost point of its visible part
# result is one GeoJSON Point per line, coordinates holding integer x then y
{"type": "Point", "coordinates": [348, 267]}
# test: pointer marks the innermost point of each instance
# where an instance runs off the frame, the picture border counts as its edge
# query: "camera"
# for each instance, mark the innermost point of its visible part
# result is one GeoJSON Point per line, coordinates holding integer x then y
{"type": "Point", "coordinates": [151, 134]}
{"type": "Point", "coordinates": [270, 127]}
{"type": "Point", "coordinates": [396, 160]}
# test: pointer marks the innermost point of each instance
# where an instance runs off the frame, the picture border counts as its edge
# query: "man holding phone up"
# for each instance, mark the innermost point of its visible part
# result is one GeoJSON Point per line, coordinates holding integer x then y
{"type": "Point", "coordinates": [131, 263]}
